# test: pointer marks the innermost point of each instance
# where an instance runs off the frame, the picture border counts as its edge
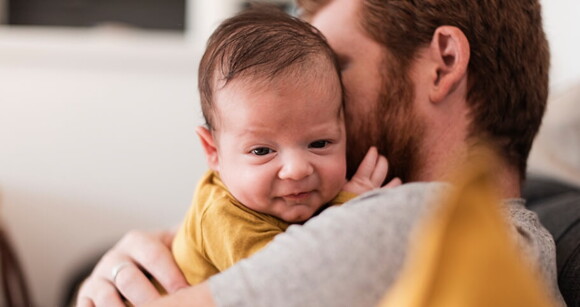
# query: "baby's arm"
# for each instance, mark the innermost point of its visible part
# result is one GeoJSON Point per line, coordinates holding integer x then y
{"type": "Point", "coordinates": [370, 174]}
{"type": "Point", "coordinates": [224, 234]}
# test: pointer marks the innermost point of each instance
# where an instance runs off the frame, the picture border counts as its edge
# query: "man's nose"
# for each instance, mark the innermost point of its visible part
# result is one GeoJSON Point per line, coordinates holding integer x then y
{"type": "Point", "coordinates": [295, 167]}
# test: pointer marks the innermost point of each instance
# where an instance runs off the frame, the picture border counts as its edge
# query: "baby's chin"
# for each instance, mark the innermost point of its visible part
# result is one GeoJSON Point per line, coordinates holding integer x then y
{"type": "Point", "coordinates": [296, 218]}
{"type": "Point", "coordinates": [300, 215]}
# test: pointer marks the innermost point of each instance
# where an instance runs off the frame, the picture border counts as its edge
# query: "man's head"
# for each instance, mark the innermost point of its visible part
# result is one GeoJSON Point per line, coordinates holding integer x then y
{"type": "Point", "coordinates": [272, 99]}
{"type": "Point", "coordinates": [507, 71]}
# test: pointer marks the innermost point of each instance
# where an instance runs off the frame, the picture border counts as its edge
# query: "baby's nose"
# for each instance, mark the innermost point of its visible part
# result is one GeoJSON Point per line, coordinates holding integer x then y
{"type": "Point", "coordinates": [295, 167]}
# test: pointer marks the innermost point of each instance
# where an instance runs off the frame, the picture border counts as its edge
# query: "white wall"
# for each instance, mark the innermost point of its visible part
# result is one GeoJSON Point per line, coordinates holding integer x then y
{"type": "Point", "coordinates": [562, 25]}
{"type": "Point", "coordinates": [556, 151]}
{"type": "Point", "coordinates": [97, 134]}
{"type": "Point", "coordinates": [96, 137]}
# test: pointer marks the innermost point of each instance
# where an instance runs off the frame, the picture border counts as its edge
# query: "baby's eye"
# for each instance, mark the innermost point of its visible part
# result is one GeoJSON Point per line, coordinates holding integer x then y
{"type": "Point", "coordinates": [319, 144]}
{"type": "Point", "coordinates": [261, 151]}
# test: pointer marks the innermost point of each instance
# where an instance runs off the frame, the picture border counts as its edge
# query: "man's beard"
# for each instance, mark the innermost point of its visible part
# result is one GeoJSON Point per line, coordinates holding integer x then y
{"type": "Point", "coordinates": [393, 127]}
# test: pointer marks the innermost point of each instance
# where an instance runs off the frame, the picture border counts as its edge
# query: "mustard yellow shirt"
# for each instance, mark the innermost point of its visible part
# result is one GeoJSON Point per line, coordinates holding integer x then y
{"type": "Point", "coordinates": [218, 230]}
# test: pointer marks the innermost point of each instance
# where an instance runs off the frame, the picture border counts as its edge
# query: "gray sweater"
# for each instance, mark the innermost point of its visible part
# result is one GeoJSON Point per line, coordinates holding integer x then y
{"type": "Point", "coordinates": [350, 255]}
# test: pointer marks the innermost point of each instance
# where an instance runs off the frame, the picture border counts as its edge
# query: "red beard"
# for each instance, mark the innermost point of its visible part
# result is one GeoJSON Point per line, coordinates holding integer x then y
{"type": "Point", "coordinates": [393, 126]}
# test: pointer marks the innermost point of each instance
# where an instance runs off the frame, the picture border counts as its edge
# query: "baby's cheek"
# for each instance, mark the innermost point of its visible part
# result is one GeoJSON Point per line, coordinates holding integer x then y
{"type": "Point", "coordinates": [250, 188]}
{"type": "Point", "coordinates": [335, 178]}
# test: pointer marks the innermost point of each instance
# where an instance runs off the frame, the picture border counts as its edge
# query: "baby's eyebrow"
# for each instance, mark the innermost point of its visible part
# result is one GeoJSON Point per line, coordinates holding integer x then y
{"type": "Point", "coordinates": [335, 129]}
{"type": "Point", "coordinates": [253, 130]}
{"type": "Point", "coordinates": [252, 133]}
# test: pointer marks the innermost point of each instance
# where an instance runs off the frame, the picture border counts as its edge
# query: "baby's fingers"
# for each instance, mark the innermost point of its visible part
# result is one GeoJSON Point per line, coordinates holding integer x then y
{"type": "Point", "coordinates": [393, 183]}
{"type": "Point", "coordinates": [367, 165]}
{"type": "Point", "coordinates": [380, 171]}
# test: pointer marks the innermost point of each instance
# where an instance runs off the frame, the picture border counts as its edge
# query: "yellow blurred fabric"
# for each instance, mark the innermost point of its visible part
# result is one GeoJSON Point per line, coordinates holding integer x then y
{"type": "Point", "coordinates": [463, 255]}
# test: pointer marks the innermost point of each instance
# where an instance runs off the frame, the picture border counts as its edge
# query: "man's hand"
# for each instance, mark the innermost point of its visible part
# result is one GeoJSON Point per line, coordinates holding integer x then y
{"type": "Point", "coordinates": [195, 296]}
{"type": "Point", "coordinates": [370, 174]}
{"type": "Point", "coordinates": [120, 271]}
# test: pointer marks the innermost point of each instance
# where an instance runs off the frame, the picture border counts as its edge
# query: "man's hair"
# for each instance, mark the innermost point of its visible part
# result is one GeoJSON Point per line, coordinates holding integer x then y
{"type": "Point", "coordinates": [509, 60]}
{"type": "Point", "coordinates": [259, 43]}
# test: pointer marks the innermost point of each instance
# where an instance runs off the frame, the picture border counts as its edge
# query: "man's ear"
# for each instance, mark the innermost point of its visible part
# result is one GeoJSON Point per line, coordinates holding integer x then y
{"type": "Point", "coordinates": [208, 144]}
{"type": "Point", "coordinates": [449, 49]}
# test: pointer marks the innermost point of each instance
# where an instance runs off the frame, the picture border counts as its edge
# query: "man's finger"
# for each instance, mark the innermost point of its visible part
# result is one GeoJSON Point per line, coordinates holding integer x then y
{"type": "Point", "coordinates": [101, 293]}
{"type": "Point", "coordinates": [134, 285]}
{"type": "Point", "coordinates": [157, 258]}
{"type": "Point", "coordinates": [85, 302]}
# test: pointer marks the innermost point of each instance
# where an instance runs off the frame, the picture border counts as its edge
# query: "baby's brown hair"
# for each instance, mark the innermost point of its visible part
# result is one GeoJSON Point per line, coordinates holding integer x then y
{"type": "Point", "coordinates": [261, 42]}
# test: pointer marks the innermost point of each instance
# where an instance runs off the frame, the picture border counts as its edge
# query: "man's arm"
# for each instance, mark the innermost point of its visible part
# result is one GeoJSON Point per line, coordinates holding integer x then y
{"type": "Point", "coordinates": [346, 256]}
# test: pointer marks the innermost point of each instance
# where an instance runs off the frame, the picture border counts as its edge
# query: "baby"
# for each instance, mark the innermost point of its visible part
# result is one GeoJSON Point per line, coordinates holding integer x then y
{"type": "Point", "coordinates": [272, 98]}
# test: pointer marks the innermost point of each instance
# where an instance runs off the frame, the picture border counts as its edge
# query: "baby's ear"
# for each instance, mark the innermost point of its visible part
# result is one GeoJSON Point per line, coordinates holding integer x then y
{"type": "Point", "coordinates": [208, 143]}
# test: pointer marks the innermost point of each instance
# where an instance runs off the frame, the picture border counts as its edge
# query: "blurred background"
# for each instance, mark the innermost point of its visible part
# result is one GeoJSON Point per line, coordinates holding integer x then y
{"type": "Point", "coordinates": [98, 105]}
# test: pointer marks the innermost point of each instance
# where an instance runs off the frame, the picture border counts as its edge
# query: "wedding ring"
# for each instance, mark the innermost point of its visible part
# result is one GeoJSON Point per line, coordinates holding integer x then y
{"type": "Point", "coordinates": [118, 269]}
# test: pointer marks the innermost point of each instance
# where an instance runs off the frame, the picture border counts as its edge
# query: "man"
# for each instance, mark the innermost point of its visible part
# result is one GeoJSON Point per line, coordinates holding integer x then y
{"type": "Point", "coordinates": [425, 81]}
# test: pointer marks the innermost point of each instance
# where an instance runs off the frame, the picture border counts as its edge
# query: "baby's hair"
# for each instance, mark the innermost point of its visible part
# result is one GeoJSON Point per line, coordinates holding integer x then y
{"type": "Point", "coordinates": [259, 43]}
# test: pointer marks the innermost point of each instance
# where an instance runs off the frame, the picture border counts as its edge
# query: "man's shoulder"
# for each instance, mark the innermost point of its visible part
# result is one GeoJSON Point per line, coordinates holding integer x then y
{"type": "Point", "coordinates": [417, 193]}
{"type": "Point", "coordinates": [384, 209]}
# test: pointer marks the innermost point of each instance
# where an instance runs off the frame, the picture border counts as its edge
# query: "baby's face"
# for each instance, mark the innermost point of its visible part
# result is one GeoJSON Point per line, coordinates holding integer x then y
{"type": "Point", "coordinates": [281, 144]}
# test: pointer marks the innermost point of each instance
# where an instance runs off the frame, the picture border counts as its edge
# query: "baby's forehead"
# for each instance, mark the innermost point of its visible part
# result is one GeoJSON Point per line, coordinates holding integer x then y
{"type": "Point", "coordinates": [319, 89]}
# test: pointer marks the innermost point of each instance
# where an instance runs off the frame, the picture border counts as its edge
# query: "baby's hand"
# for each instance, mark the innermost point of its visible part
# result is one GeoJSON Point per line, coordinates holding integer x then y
{"type": "Point", "coordinates": [370, 174]}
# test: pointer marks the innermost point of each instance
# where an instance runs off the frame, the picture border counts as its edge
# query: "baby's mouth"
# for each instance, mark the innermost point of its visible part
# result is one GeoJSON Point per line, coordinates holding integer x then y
{"type": "Point", "coordinates": [297, 196]}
